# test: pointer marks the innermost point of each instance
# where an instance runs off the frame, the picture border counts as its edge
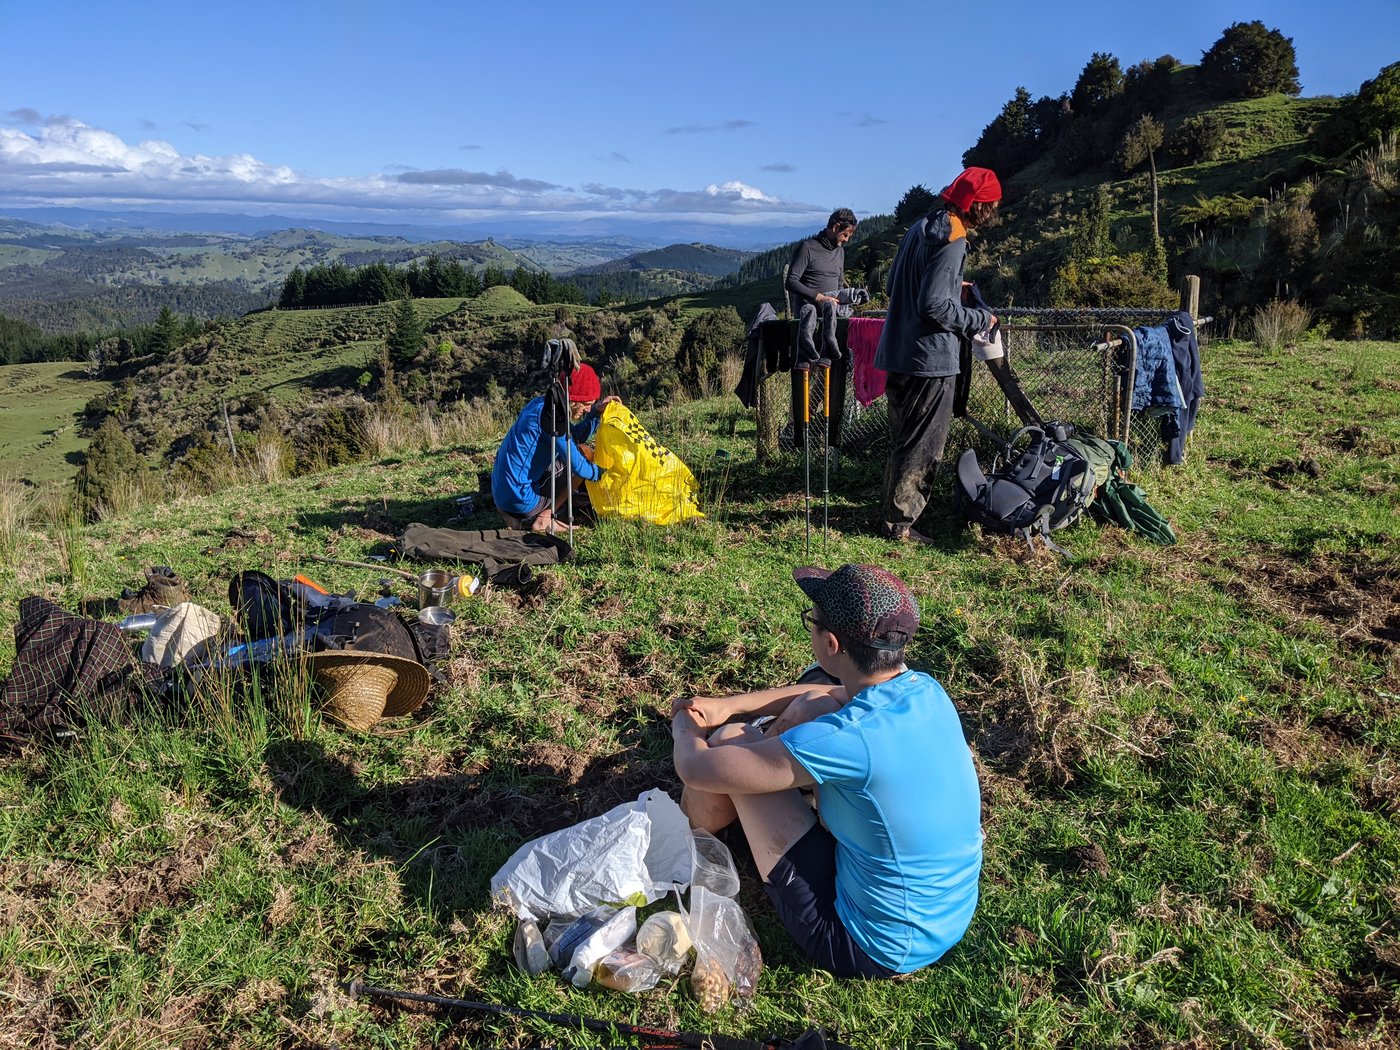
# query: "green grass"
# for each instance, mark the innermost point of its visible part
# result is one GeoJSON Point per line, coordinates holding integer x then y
{"type": "Point", "coordinates": [40, 439]}
{"type": "Point", "coordinates": [1186, 755]}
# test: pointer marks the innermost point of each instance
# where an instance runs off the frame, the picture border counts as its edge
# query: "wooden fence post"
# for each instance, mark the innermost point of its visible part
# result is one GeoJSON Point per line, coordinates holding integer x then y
{"type": "Point", "coordinates": [1191, 295]}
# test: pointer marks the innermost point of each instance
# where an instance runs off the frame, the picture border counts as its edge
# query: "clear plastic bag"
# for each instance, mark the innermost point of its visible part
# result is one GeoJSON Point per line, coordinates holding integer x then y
{"type": "Point", "coordinates": [714, 865]}
{"type": "Point", "coordinates": [727, 957]}
{"type": "Point", "coordinates": [665, 940]}
{"type": "Point", "coordinates": [626, 970]}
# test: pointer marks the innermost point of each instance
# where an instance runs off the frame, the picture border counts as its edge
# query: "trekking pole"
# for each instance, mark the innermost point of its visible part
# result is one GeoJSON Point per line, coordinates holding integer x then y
{"type": "Point", "coordinates": [568, 452]}
{"type": "Point", "coordinates": [825, 365]}
{"type": "Point", "coordinates": [356, 988]}
{"type": "Point", "coordinates": [806, 369]}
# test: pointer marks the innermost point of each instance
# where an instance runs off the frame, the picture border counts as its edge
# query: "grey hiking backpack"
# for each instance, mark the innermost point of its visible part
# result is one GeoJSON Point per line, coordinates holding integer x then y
{"type": "Point", "coordinates": [1044, 488]}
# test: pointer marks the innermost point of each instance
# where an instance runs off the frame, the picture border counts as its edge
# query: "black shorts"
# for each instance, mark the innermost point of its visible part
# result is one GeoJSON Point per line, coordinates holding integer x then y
{"type": "Point", "coordinates": [802, 887]}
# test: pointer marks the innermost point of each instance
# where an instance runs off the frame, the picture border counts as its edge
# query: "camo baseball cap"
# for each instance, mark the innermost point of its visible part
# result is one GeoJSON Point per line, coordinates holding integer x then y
{"type": "Point", "coordinates": [863, 604]}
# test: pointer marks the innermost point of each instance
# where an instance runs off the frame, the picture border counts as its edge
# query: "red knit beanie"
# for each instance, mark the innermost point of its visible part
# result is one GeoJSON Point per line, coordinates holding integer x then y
{"type": "Point", "coordinates": [973, 185]}
{"type": "Point", "coordinates": [584, 385]}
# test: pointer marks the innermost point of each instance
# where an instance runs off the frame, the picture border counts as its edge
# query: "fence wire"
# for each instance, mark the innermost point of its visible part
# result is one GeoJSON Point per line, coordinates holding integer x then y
{"type": "Point", "coordinates": [1072, 365]}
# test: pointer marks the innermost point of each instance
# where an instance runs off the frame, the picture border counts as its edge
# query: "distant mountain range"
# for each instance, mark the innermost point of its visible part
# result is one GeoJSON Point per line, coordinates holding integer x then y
{"type": "Point", "coordinates": [513, 231]}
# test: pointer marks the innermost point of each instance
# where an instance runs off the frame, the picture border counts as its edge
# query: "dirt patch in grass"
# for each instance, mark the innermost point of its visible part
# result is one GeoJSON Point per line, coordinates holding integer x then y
{"type": "Point", "coordinates": [1359, 439]}
{"type": "Point", "coordinates": [30, 1016]}
{"type": "Point", "coordinates": [113, 898]}
{"type": "Point", "coordinates": [1356, 596]}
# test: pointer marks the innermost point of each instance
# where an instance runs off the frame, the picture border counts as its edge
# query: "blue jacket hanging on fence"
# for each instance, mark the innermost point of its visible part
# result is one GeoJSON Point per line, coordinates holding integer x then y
{"type": "Point", "coordinates": [1155, 384]}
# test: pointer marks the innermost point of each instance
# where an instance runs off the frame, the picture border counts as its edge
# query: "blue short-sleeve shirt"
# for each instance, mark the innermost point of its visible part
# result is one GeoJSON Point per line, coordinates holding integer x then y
{"type": "Point", "coordinates": [899, 794]}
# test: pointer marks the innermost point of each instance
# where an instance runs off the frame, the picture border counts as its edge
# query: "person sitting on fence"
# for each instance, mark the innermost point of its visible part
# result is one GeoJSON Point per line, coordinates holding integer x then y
{"type": "Point", "coordinates": [882, 878]}
{"type": "Point", "coordinates": [920, 344]}
{"type": "Point", "coordinates": [815, 275]}
{"type": "Point", "coordinates": [530, 469]}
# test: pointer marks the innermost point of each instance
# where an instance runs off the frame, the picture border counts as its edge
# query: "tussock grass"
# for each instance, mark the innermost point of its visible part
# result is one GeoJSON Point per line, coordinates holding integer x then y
{"type": "Point", "coordinates": [1189, 794]}
{"type": "Point", "coordinates": [1279, 323]}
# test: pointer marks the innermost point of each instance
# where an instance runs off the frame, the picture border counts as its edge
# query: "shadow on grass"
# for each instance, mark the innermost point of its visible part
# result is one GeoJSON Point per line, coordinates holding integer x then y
{"type": "Point", "coordinates": [449, 833]}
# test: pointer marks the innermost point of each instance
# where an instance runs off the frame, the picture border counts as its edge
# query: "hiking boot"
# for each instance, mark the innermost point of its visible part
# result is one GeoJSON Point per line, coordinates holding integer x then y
{"type": "Point", "coordinates": [163, 590]}
{"type": "Point", "coordinates": [909, 534]}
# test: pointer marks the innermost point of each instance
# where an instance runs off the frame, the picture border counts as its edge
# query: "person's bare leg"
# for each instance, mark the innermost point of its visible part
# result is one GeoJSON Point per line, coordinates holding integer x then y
{"type": "Point", "coordinates": [773, 823]}
{"type": "Point", "coordinates": [708, 810]}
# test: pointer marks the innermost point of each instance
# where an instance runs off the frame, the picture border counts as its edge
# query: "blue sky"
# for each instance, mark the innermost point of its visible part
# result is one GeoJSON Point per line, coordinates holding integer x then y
{"type": "Point", "coordinates": [739, 117]}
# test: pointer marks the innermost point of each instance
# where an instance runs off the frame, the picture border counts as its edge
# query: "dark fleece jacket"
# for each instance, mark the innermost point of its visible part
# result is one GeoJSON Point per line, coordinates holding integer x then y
{"type": "Point", "coordinates": [927, 321]}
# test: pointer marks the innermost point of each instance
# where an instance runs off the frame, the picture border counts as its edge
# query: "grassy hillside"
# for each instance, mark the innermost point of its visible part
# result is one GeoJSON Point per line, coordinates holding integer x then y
{"type": "Point", "coordinates": [1186, 755]}
{"type": "Point", "coordinates": [41, 415]}
{"type": "Point", "coordinates": [703, 259]}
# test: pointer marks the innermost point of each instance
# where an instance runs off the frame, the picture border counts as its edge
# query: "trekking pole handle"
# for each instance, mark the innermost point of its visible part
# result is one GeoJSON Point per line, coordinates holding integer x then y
{"type": "Point", "coordinates": [806, 371]}
{"type": "Point", "coordinates": [825, 366]}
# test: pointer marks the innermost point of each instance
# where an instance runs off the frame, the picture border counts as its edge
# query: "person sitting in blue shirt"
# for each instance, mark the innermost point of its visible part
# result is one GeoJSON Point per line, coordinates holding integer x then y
{"type": "Point", "coordinates": [528, 465]}
{"type": "Point", "coordinates": [882, 878]}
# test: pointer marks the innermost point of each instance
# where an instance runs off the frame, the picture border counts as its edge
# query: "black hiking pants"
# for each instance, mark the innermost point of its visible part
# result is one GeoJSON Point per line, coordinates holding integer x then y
{"type": "Point", "coordinates": [921, 412]}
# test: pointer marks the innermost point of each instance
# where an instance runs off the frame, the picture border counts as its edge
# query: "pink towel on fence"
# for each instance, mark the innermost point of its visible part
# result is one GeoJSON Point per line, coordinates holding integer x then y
{"type": "Point", "coordinates": [862, 339]}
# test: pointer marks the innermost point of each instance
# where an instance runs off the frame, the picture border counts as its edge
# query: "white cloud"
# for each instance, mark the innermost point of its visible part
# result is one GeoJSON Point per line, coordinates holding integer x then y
{"type": "Point", "coordinates": [71, 163]}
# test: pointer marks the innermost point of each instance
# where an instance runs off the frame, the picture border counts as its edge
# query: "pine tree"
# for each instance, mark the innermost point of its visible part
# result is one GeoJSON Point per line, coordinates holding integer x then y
{"type": "Point", "coordinates": [293, 289]}
{"type": "Point", "coordinates": [1101, 80]}
{"type": "Point", "coordinates": [109, 464]}
{"type": "Point", "coordinates": [166, 335]}
{"type": "Point", "coordinates": [917, 201]}
{"type": "Point", "coordinates": [406, 339]}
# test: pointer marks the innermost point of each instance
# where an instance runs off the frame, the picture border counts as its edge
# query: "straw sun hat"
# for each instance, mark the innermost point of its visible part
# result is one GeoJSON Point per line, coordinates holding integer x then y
{"type": "Point", "coordinates": [366, 667]}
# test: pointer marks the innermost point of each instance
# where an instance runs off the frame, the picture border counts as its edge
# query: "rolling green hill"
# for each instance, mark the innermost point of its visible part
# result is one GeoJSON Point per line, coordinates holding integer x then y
{"type": "Point", "coordinates": [41, 420]}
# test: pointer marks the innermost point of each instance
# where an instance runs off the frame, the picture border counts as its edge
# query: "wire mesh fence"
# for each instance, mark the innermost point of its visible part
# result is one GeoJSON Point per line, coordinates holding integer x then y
{"type": "Point", "coordinates": [1075, 366]}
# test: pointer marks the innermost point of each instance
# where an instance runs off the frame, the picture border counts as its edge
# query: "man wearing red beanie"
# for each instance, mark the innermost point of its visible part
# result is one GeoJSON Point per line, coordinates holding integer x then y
{"type": "Point", "coordinates": [520, 478]}
{"type": "Point", "coordinates": [919, 345]}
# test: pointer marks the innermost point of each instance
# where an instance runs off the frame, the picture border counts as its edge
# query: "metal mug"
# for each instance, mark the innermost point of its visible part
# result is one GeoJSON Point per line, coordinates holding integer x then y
{"type": "Point", "coordinates": [434, 587]}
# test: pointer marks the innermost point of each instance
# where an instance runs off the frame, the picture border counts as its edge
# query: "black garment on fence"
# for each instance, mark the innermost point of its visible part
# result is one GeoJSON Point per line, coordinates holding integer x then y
{"type": "Point", "coordinates": [754, 360]}
{"type": "Point", "coordinates": [840, 370]}
{"type": "Point", "coordinates": [1186, 355]}
{"type": "Point", "coordinates": [66, 666]}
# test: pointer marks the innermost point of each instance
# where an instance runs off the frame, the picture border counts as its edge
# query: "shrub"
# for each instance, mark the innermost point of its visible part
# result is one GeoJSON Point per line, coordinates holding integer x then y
{"type": "Point", "coordinates": [1198, 138]}
{"type": "Point", "coordinates": [108, 467]}
{"type": "Point", "coordinates": [1279, 323]}
{"type": "Point", "coordinates": [1117, 281]}
{"type": "Point", "coordinates": [205, 466]}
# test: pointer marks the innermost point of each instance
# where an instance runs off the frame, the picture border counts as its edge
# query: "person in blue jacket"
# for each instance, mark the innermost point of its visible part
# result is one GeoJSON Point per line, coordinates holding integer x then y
{"type": "Point", "coordinates": [520, 477]}
{"type": "Point", "coordinates": [882, 878]}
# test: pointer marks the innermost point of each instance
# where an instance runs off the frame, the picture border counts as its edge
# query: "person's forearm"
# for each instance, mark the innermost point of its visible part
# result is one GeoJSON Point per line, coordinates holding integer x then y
{"type": "Point", "coordinates": [763, 702]}
{"type": "Point", "coordinates": [685, 752]}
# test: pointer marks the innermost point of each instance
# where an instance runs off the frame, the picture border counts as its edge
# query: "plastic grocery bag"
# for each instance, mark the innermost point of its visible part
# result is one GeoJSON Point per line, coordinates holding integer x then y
{"type": "Point", "coordinates": [639, 849]}
{"type": "Point", "coordinates": [642, 478]}
{"type": "Point", "coordinates": [727, 957]}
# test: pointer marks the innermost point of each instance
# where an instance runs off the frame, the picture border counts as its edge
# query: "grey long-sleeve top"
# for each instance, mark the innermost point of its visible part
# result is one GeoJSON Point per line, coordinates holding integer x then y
{"type": "Point", "coordinates": [817, 266]}
{"type": "Point", "coordinates": [926, 321]}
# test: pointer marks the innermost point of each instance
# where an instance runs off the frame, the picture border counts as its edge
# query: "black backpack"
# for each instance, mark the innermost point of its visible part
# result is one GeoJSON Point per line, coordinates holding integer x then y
{"type": "Point", "coordinates": [1037, 491]}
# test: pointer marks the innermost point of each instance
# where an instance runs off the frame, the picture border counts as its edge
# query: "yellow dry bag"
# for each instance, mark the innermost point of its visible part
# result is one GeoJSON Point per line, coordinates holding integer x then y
{"type": "Point", "coordinates": [643, 479]}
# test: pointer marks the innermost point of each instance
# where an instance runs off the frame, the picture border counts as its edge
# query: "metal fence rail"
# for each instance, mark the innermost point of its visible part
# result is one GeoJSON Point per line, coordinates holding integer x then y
{"type": "Point", "coordinates": [1075, 366]}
